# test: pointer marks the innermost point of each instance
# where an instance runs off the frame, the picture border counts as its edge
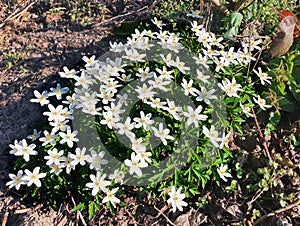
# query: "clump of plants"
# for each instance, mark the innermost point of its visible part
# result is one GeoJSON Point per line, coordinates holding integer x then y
{"type": "Point", "coordinates": [159, 111]}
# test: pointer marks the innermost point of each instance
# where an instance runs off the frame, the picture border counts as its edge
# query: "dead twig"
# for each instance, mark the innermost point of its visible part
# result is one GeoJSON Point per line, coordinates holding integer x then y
{"type": "Point", "coordinates": [15, 15]}
{"type": "Point", "coordinates": [291, 206]}
{"type": "Point", "coordinates": [222, 8]}
{"type": "Point", "coordinates": [122, 15]}
{"type": "Point", "coordinates": [262, 136]}
{"type": "Point", "coordinates": [5, 217]}
{"type": "Point", "coordinates": [79, 213]}
{"type": "Point", "coordinates": [164, 216]}
{"type": "Point", "coordinates": [22, 211]}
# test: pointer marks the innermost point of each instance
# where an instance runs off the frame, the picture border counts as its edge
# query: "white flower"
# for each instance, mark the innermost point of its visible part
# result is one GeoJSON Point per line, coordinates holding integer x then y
{"type": "Point", "coordinates": [58, 91]}
{"type": "Point", "coordinates": [89, 61]}
{"type": "Point", "coordinates": [176, 199]}
{"type": "Point", "coordinates": [110, 197]}
{"type": "Point", "coordinates": [165, 73]}
{"type": "Point", "coordinates": [264, 78]}
{"type": "Point", "coordinates": [122, 99]}
{"type": "Point", "coordinates": [36, 134]}
{"type": "Point", "coordinates": [42, 99]}
{"type": "Point", "coordinates": [188, 88]}
{"type": "Point", "coordinates": [230, 88]}
{"type": "Point", "coordinates": [261, 102]}
{"type": "Point", "coordinates": [118, 176]}
{"type": "Point", "coordinates": [126, 78]}
{"type": "Point", "coordinates": [67, 73]}
{"type": "Point", "coordinates": [54, 157]}
{"type": "Point", "coordinates": [159, 82]}
{"type": "Point", "coordinates": [195, 14]}
{"type": "Point", "coordinates": [158, 23]}
{"type": "Point", "coordinates": [162, 133]}
{"type": "Point", "coordinates": [206, 96]}
{"type": "Point", "coordinates": [196, 27]}
{"type": "Point", "coordinates": [213, 135]}
{"type": "Point", "coordinates": [202, 77]}
{"type": "Point", "coordinates": [180, 65]}
{"type": "Point", "coordinates": [49, 138]}
{"type": "Point", "coordinates": [205, 39]}
{"type": "Point", "coordinates": [157, 103]}
{"type": "Point", "coordinates": [96, 160]}
{"type": "Point", "coordinates": [106, 96]}
{"type": "Point", "coordinates": [110, 70]}
{"type": "Point", "coordinates": [84, 80]}
{"type": "Point", "coordinates": [72, 101]}
{"type": "Point", "coordinates": [98, 183]}
{"type": "Point", "coordinates": [68, 164]}
{"type": "Point", "coordinates": [144, 120]}
{"type": "Point", "coordinates": [145, 92]}
{"type": "Point", "coordinates": [216, 41]}
{"type": "Point", "coordinates": [135, 164]}
{"type": "Point", "coordinates": [56, 169]}
{"type": "Point", "coordinates": [134, 55]}
{"type": "Point", "coordinates": [79, 156]}
{"type": "Point", "coordinates": [59, 125]}
{"type": "Point", "coordinates": [115, 109]}
{"type": "Point", "coordinates": [172, 109]}
{"type": "Point", "coordinates": [167, 59]}
{"type": "Point", "coordinates": [111, 85]}
{"type": "Point", "coordinates": [55, 114]}
{"type": "Point", "coordinates": [116, 47]}
{"type": "Point", "coordinates": [34, 177]}
{"type": "Point", "coordinates": [14, 147]}
{"type": "Point", "coordinates": [137, 144]}
{"type": "Point", "coordinates": [228, 57]}
{"type": "Point", "coordinates": [202, 60]}
{"type": "Point", "coordinates": [69, 137]}
{"type": "Point", "coordinates": [252, 44]}
{"type": "Point", "coordinates": [144, 74]}
{"type": "Point", "coordinates": [110, 119]}
{"type": "Point", "coordinates": [16, 180]}
{"type": "Point", "coordinates": [225, 140]}
{"type": "Point", "coordinates": [126, 127]}
{"type": "Point", "coordinates": [194, 115]}
{"type": "Point", "coordinates": [246, 110]}
{"type": "Point", "coordinates": [222, 172]}
{"type": "Point", "coordinates": [24, 150]}
{"type": "Point", "coordinates": [248, 56]}
{"type": "Point", "coordinates": [144, 156]}
{"type": "Point", "coordinates": [220, 64]}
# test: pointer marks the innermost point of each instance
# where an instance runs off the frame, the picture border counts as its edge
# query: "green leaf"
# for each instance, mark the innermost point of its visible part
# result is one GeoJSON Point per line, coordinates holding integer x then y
{"type": "Point", "coordinates": [198, 174]}
{"type": "Point", "coordinates": [273, 122]}
{"type": "Point", "coordinates": [281, 88]}
{"type": "Point", "coordinates": [296, 74]}
{"type": "Point", "coordinates": [282, 203]}
{"type": "Point", "coordinates": [79, 207]}
{"type": "Point", "coordinates": [296, 91]}
{"type": "Point", "coordinates": [194, 191]}
{"type": "Point", "coordinates": [91, 210]}
{"type": "Point", "coordinates": [235, 21]}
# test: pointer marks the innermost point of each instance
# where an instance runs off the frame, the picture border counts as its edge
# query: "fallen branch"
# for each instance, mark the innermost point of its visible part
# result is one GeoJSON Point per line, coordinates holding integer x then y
{"type": "Point", "coordinates": [5, 217]}
{"type": "Point", "coordinates": [262, 136]}
{"type": "Point", "coordinates": [79, 213]}
{"type": "Point", "coordinates": [164, 216]}
{"type": "Point", "coordinates": [122, 15]}
{"type": "Point", "coordinates": [15, 14]}
{"type": "Point", "coordinates": [291, 206]}
{"type": "Point", "coordinates": [222, 8]}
